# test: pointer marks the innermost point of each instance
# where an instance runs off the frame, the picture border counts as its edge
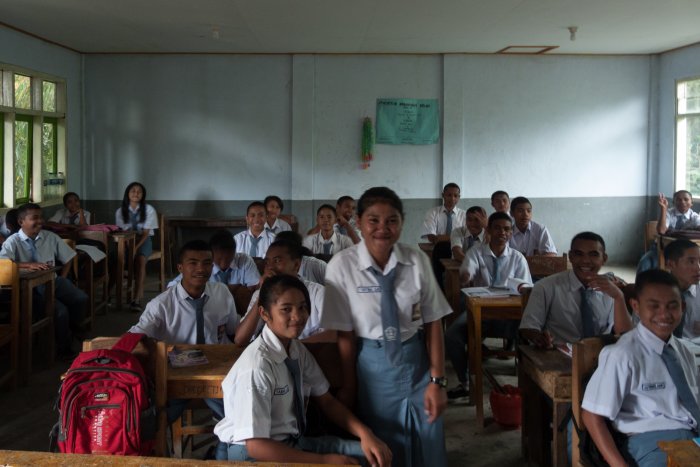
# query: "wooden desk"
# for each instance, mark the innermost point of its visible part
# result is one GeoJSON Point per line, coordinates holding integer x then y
{"type": "Point", "coordinates": [126, 242]}
{"type": "Point", "coordinates": [479, 309]}
{"type": "Point", "coordinates": [31, 459]}
{"type": "Point", "coordinates": [195, 382]}
{"type": "Point", "coordinates": [29, 280]}
{"type": "Point", "coordinates": [681, 453]}
{"type": "Point", "coordinates": [427, 248]}
{"type": "Point", "coordinates": [544, 373]}
{"type": "Point", "coordinates": [452, 289]}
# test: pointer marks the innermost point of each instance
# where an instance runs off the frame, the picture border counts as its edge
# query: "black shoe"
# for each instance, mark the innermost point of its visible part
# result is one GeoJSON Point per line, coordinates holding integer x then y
{"type": "Point", "coordinates": [135, 307]}
{"type": "Point", "coordinates": [457, 393]}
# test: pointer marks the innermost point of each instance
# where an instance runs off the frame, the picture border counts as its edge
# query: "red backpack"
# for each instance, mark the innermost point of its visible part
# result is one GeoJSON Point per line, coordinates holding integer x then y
{"type": "Point", "coordinates": [104, 405]}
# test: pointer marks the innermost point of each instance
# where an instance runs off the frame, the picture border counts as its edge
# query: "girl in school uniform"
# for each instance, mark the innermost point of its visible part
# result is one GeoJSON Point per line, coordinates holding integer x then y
{"type": "Point", "coordinates": [136, 215]}
{"type": "Point", "coordinates": [327, 241]}
{"type": "Point", "coordinates": [265, 392]}
{"type": "Point", "coordinates": [273, 207]}
{"type": "Point", "coordinates": [383, 299]}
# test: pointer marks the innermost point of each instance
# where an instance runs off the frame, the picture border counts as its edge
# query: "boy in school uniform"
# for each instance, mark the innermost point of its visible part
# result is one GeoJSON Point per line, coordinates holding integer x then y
{"type": "Point", "coordinates": [255, 240]}
{"type": "Point", "coordinates": [194, 311]}
{"type": "Point", "coordinates": [266, 390]}
{"type": "Point", "coordinates": [473, 232]}
{"type": "Point", "coordinates": [71, 213]}
{"type": "Point", "coordinates": [571, 305]}
{"type": "Point", "coordinates": [646, 384]}
{"type": "Point", "coordinates": [273, 208]}
{"type": "Point", "coordinates": [235, 270]}
{"type": "Point", "coordinates": [327, 241]}
{"type": "Point", "coordinates": [683, 262]}
{"type": "Point", "coordinates": [347, 223]}
{"type": "Point", "coordinates": [36, 249]}
{"type": "Point", "coordinates": [500, 201]}
{"type": "Point", "coordinates": [680, 216]}
{"type": "Point", "coordinates": [493, 264]}
{"type": "Point", "coordinates": [312, 269]}
{"type": "Point", "coordinates": [284, 257]}
{"type": "Point", "coordinates": [529, 237]}
{"type": "Point", "coordinates": [440, 221]}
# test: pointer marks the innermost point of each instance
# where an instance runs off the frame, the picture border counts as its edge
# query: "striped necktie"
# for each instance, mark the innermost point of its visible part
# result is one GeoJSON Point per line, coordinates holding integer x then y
{"type": "Point", "coordinates": [670, 358]}
{"type": "Point", "coordinates": [293, 367]}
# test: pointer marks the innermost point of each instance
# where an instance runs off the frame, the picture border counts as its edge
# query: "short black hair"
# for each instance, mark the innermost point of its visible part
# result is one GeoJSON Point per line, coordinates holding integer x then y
{"type": "Point", "coordinates": [343, 199]}
{"type": "Point", "coordinates": [451, 185]}
{"type": "Point", "coordinates": [325, 206]}
{"type": "Point", "coordinates": [499, 193]}
{"type": "Point", "coordinates": [68, 195]}
{"type": "Point", "coordinates": [294, 237]}
{"type": "Point", "coordinates": [292, 248]}
{"type": "Point", "coordinates": [26, 207]}
{"type": "Point", "coordinates": [193, 245]}
{"type": "Point", "coordinates": [476, 209]}
{"type": "Point", "coordinates": [588, 236]}
{"type": "Point", "coordinates": [682, 192]}
{"type": "Point", "coordinates": [518, 200]}
{"type": "Point", "coordinates": [222, 240]}
{"type": "Point", "coordinates": [499, 216]}
{"type": "Point", "coordinates": [253, 205]}
{"type": "Point", "coordinates": [677, 248]}
{"type": "Point", "coordinates": [11, 220]}
{"type": "Point", "coordinates": [275, 286]}
{"type": "Point", "coordinates": [654, 276]}
{"type": "Point", "coordinates": [276, 199]}
{"type": "Point", "coordinates": [379, 194]}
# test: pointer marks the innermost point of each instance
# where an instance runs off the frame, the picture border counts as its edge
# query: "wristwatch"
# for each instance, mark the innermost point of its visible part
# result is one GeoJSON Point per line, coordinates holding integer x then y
{"type": "Point", "coordinates": [441, 381]}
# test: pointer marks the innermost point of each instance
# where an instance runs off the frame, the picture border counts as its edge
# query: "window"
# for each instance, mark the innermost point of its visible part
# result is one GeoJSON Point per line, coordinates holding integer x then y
{"type": "Point", "coordinates": [688, 136]}
{"type": "Point", "coordinates": [32, 126]}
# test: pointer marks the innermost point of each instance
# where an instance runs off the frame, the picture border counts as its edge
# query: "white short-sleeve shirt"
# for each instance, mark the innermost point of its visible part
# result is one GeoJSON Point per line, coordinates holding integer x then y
{"type": "Point", "coordinates": [243, 271]}
{"type": "Point", "coordinates": [691, 315]}
{"type": "Point", "coordinates": [244, 240]}
{"type": "Point", "coordinates": [353, 296]}
{"type": "Point", "coordinates": [690, 219]}
{"type": "Point", "coordinates": [343, 231]}
{"type": "Point", "coordinates": [316, 242]}
{"type": "Point", "coordinates": [151, 222]}
{"type": "Point", "coordinates": [632, 387]}
{"type": "Point", "coordinates": [512, 267]}
{"type": "Point", "coordinates": [63, 216]}
{"type": "Point", "coordinates": [316, 292]}
{"type": "Point", "coordinates": [280, 225]}
{"type": "Point", "coordinates": [313, 269]}
{"type": "Point", "coordinates": [535, 237]}
{"type": "Point", "coordinates": [259, 391]}
{"type": "Point", "coordinates": [49, 247]}
{"type": "Point", "coordinates": [171, 318]}
{"type": "Point", "coordinates": [555, 306]}
{"type": "Point", "coordinates": [435, 222]}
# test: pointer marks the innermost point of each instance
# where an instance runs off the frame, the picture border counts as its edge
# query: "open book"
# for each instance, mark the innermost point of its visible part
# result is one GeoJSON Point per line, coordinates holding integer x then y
{"type": "Point", "coordinates": [492, 292]}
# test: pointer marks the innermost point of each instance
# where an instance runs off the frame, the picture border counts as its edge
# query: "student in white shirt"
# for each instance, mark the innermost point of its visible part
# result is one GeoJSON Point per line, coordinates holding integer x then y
{"type": "Point", "coordinates": [683, 261]}
{"type": "Point", "coordinates": [71, 213]}
{"type": "Point", "coordinates": [135, 215]}
{"type": "Point", "coordinates": [440, 221]}
{"type": "Point", "coordinates": [8, 224]}
{"type": "Point", "coordinates": [529, 237]}
{"type": "Point", "coordinates": [557, 304]}
{"type": "Point", "coordinates": [463, 238]}
{"type": "Point", "coordinates": [273, 208]}
{"type": "Point", "coordinates": [255, 240]}
{"type": "Point", "coordinates": [379, 294]}
{"type": "Point", "coordinates": [327, 241]}
{"type": "Point", "coordinates": [500, 201]}
{"type": "Point", "coordinates": [647, 383]}
{"type": "Point", "coordinates": [312, 269]}
{"type": "Point", "coordinates": [284, 257]}
{"type": "Point", "coordinates": [680, 216]}
{"type": "Point", "coordinates": [346, 220]}
{"type": "Point", "coordinates": [172, 316]}
{"type": "Point", "coordinates": [493, 264]}
{"type": "Point", "coordinates": [265, 402]}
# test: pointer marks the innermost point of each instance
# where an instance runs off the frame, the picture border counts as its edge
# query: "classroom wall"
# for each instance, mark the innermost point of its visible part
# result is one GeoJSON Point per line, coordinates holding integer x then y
{"type": "Point", "coordinates": [24, 51]}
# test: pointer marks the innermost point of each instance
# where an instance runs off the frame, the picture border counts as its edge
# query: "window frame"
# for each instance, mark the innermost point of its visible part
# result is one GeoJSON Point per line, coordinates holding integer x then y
{"type": "Point", "coordinates": [680, 171]}
{"type": "Point", "coordinates": [30, 156]}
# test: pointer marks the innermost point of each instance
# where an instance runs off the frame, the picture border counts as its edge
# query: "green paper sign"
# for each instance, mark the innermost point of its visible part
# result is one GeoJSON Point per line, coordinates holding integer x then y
{"type": "Point", "coordinates": [407, 121]}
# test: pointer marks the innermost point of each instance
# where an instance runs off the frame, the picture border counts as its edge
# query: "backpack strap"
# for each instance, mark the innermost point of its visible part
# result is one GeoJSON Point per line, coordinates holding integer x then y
{"type": "Point", "coordinates": [128, 342]}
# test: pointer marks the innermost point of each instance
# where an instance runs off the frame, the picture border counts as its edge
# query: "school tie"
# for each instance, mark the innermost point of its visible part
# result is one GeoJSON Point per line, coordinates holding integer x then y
{"type": "Point", "coordinates": [293, 367]}
{"type": "Point", "coordinates": [134, 220]}
{"type": "Point", "coordinates": [496, 276]}
{"type": "Point", "coordinates": [223, 276]}
{"type": "Point", "coordinates": [678, 332]}
{"type": "Point", "coordinates": [342, 230]}
{"type": "Point", "coordinates": [680, 220]}
{"type": "Point", "coordinates": [390, 316]}
{"type": "Point", "coordinates": [32, 248]}
{"type": "Point", "coordinates": [587, 313]}
{"type": "Point", "coordinates": [327, 248]}
{"type": "Point", "coordinates": [448, 229]}
{"type": "Point", "coordinates": [253, 251]}
{"type": "Point", "coordinates": [198, 305]}
{"type": "Point", "coordinates": [686, 397]}
{"type": "Point", "coordinates": [74, 218]}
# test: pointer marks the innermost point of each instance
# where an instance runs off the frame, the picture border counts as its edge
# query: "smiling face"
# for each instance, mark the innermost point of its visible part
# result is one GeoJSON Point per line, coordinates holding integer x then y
{"type": "Point", "coordinates": [659, 309]}
{"type": "Point", "coordinates": [380, 225]}
{"type": "Point", "coordinates": [73, 204]}
{"type": "Point", "coordinates": [32, 222]}
{"type": "Point", "coordinates": [287, 316]}
{"type": "Point", "coordinates": [473, 223]}
{"type": "Point", "coordinates": [346, 209]}
{"type": "Point", "coordinates": [450, 197]}
{"type": "Point", "coordinates": [195, 268]}
{"type": "Point", "coordinates": [273, 210]}
{"type": "Point", "coordinates": [500, 203]}
{"type": "Point", "coordinates": [682, 202]}
{"type": "Point", "coordinates": [500, 231]}
{"type": "Point", "coordinates": [587, 257]}
{"type": "Point", "coordinates": [325, 220]}
{"type": "Point", "coordinates": [522, 213]}
{"type": "Point", "coordinates": [256, 218]}
{"type": "Point", "coordinates": [686, 268]}
{"type": "Point", "coordinates": [279, 261]}
{"type": "Point", "coordinates": [135, 195]}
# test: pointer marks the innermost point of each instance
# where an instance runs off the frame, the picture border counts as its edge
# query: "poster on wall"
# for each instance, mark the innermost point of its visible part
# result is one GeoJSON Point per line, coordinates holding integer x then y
{"type": "Point", "coordinates": [407, 121]}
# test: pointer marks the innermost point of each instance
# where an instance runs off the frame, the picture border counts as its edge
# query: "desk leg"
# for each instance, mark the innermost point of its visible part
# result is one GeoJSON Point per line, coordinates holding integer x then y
{"type": "Point", "coordinates": [478, 388]}
{"type": "Point", "coordinates": [119, 282]}
{"type": "Point", "coordinates": [25, 353]}
{"type": "Point", "coordinates": [130, 277]}
{"type": "Point", "coordinates": [50, 340]}
{"type": "Point", "coordinates": [559, 411]}
{"type": "Point", "coordinates": [161, 400]}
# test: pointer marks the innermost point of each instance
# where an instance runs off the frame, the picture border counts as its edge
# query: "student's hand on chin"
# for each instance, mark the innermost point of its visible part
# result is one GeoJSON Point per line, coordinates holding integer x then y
{"type": "Point", "coordinates": [339, 459]}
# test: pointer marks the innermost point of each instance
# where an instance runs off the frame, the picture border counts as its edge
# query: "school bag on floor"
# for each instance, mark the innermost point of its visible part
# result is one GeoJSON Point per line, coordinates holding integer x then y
{"type": "Point", "coordinates": [104, 404]}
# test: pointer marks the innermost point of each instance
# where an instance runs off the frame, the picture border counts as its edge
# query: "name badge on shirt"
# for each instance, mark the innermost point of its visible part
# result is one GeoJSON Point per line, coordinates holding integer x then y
{"type": "Point", "coordinates": [653, 386]}
{"type": "Point", "coordinates": [369, 289]}
{"type": "Point", "coordinates": [281, 391]}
